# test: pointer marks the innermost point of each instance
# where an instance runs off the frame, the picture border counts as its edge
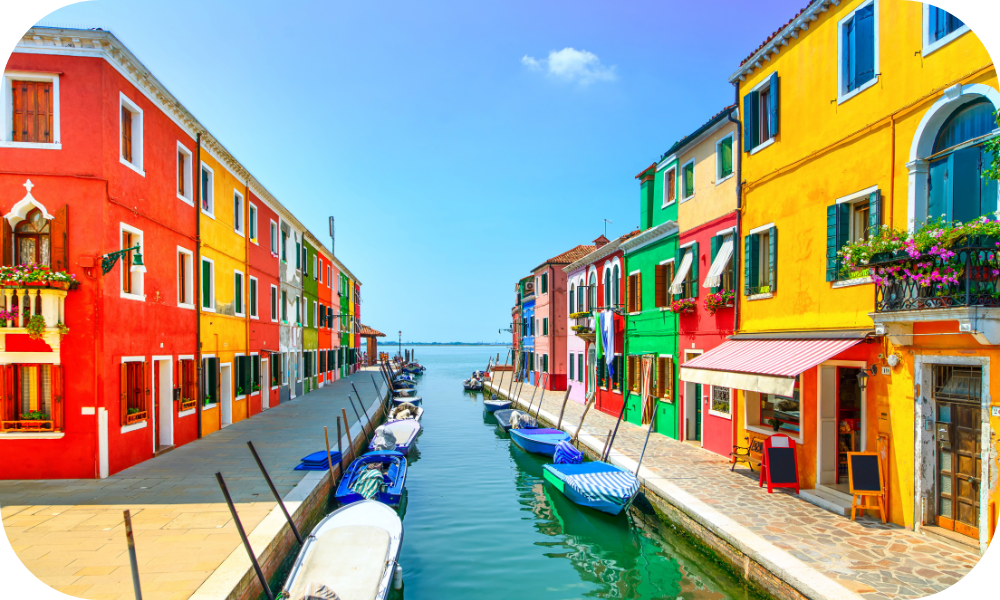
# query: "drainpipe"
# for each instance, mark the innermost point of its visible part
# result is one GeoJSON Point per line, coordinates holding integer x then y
{"type": "Point", "coordinates": [737, 240]}
{"type": "Point", "coordinates": [196, 271]}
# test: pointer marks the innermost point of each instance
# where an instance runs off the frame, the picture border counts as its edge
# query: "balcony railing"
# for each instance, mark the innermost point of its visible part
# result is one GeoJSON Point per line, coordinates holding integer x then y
{"type": "Point", "coordinates": [976, 267]}
{"type": "Point", "coordinates": [21, 304]}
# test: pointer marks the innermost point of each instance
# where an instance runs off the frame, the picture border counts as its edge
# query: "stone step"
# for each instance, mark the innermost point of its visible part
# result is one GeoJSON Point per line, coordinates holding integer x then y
{"type": "Point", "coordinates": [828, 500]}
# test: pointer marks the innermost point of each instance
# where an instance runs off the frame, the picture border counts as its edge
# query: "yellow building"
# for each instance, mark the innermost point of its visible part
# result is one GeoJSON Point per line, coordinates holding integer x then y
{"type": "Point", "coordinates": [856, 115]}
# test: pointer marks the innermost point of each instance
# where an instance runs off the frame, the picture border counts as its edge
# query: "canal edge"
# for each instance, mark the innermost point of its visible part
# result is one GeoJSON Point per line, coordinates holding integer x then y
{"type": "Point", "coordinates": [763, 564]}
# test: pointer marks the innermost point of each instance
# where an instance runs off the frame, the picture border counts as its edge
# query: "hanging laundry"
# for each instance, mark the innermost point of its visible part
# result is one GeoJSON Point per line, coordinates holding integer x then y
{"type": "Point", "coordinates": [608, 331]}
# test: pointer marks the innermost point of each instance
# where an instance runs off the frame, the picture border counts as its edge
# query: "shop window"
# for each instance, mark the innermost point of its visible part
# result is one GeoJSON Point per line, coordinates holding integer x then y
{"type": "Point", "coordinates": [721, 401]}
{"type": "Point", "coordinates": [134, 390]}
{"type": "Point", "coordinates": [764, 409]}
{"type": "Point", "coordinates": [31, 398]}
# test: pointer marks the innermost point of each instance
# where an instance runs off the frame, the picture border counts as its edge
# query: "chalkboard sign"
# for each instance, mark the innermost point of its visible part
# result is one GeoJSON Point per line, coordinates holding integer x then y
{"type": "Point", "coordinates": [779, 467]}
{"type": "Point", "coordinates": [864, 472]}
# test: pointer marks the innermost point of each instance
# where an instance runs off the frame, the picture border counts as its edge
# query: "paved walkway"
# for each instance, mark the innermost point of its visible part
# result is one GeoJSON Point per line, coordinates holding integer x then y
{"type": "Point", "coordinates": [69, 533]}
{"type": "Point", "coordinates": [874, 560]}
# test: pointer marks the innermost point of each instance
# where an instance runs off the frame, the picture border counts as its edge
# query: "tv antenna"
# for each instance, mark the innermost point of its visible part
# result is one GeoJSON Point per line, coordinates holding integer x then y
{"type": "Point", "coordinates": [606, 221]}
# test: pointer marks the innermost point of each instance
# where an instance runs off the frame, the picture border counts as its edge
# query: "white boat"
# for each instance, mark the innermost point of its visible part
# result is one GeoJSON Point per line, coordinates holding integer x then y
{"type": "Point", "coordinates": [352, 554]}
{"type": "Point", "coordinates": [403, 433]}
{"type": "Point", "coordinates": [415, 413]}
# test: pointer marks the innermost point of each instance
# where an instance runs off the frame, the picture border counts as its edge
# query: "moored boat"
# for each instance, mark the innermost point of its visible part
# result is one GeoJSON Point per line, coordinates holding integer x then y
{"type": "Point", "coordinates": [596, 485]}
{"type": "Point", "coordinates": [414, 400]}
{"type": "Point", "coordinates": [390, 466]}
{"type": "Point", "coordinates": [402, 433]}
{"type": "Point", "coordinates": [538, 441]}
{"type": "Point", "coordinates": [504, 416]}
{"type": "Point", "coordinates": [472, 384]}
{"type": "Point", "coordinates": [405, 392]}
{"type": "Point", "coordinates": [351, 554]}
{"type": "Point", "coordinates": [405, 411]}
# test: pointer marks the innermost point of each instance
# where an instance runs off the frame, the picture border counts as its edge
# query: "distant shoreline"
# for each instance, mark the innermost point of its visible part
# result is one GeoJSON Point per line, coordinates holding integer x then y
{"type": "Point", "coordinates": [396, 344]}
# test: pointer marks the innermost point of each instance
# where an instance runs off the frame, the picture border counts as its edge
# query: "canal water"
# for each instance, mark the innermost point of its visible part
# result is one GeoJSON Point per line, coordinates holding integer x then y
{"type": "Point", "coordinates": [481, 523]}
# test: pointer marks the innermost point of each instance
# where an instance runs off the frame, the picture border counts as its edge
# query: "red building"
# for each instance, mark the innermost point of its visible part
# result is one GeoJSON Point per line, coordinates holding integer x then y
{"type": "Point", "coordinates": [96, 158]}
{"type": "Point", "coordinates": [325, 332]}
{"type": "Point", "coordinates": [264, 287]}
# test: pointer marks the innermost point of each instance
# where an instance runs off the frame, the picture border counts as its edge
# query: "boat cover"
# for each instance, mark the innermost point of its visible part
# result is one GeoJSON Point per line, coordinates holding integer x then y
{"type": "Point", "coordinates": [537, 432]}
{"type": "Point", "coordinates": [368, 484]}
{"type": "Point", "coordinates": [347, 563]}
{"type": "Point", "coordinates": [616, 487]}
{"type": "Point", "coordinates": [384, 439]}
{"type": "Point", "coordinates": [566, 454]}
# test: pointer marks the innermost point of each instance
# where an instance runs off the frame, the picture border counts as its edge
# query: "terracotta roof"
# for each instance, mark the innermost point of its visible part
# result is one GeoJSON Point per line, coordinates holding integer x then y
{"type": "Point", "coordinates": [646, 170]}
{"type": "Point", "coordinates": [569, 256]}
{"type": "Point", "coordinates": [776, 32]}
{"type": "Point", "coordinates": [722, 114]}
{"type": "Point", "coordinates": [366, 331]}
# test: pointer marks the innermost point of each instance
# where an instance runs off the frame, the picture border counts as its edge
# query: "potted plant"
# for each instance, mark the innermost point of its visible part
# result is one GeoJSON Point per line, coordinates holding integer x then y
{"type": "Point", "coordinates": [36, 327]}
{"type": "Point", "coordinates": [208, 400]}
{"type": "Point", "coordinates": [256, 387]}
{"type": "Point", "coordinates": [239, 391]}
{"type": "Point", "coordinates": [63, 330]}
{"type": "Point", "coordinates": [721, 299]}
{"type": "Point", "coordinates": [775, 423]}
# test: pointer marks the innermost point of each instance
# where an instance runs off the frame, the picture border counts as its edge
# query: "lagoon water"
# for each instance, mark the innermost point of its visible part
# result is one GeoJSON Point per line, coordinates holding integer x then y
{"type": "Point", "coordinates": [480, 522]}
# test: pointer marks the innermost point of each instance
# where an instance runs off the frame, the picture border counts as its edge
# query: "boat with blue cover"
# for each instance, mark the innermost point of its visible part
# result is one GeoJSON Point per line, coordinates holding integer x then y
{"type": "Point", "coordinates": [495, 405]}
{"type": "Point", "coordinates": [414, 400]}
{"type": "Point", "coordinates": [503, 419]}
{"type": "Point", "coordinates": [391, 465]}
{"type": "Point", "coordinates": [596, 485]}
{"type": "Point", "coordinates": [400, 434]}
{"type": "Point", "coordinates": [539, 441]}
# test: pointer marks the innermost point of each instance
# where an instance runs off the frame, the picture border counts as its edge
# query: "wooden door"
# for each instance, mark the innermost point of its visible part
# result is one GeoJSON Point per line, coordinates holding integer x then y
{"type": "Point", "coordinates": [154, 412]}
{"type": "Point", "coordinates": [959, 440]}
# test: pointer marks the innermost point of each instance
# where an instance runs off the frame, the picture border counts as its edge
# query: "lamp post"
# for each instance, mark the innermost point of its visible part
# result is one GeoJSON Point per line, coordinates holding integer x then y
{"type": "Point", "coordinates": [401, 345]}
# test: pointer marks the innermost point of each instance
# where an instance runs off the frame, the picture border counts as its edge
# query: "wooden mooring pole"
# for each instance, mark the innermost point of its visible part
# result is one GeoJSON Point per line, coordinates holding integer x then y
{"type": "Point", "coordinates": [274, 490]}
{"type": "Point", "coordinates": [563, 409]}
{"type": "Point", "coordinates": [576, 434]}
{"type": "Point", "coordinates": [340, 446]}
{"type": "Point", "coordinates": [347, 430]}
{"type": "Point", "coordinates": [243, 536]}
{"type": "Point", "coordinates": [133, 560]}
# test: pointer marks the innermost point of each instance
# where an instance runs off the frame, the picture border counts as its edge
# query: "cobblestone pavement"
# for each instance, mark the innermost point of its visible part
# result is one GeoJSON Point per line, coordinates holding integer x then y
{"type": "Point", "coordinates": [875, 560]}
{"type": "Point", "coordinates": [69, 533]}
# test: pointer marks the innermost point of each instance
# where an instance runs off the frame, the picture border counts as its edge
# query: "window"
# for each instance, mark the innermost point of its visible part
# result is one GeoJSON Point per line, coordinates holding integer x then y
{"type": "Point", "coordinates": [33, 398]}
{"type": "Point", "coordinates": [276, 371]}
{"type": "Point", "coordinates": [210, 381]}
{"type": "Point", "coordinates": [720, 401]}
{"type": "Point", "coordinates": [579, 367]}
{"type": "Point", "coordinates": [664, 378]}
{"type": "Point", "coordinates": [274, 238]}
{"type": "Point", "coordinates": [238, 212]}
{"type": "Point", "coordinates": [253, 297]}
{"type": "Point", "coordinates": [940, 27]}
{"type": "Point", "coordinates": [315, 267]}
{"type": "Point", "coordinates": [858, 51]}
{"type": "Point", "coordinates": [607, 287]}
{"type": "Point", "coordinates": [615, 286]}
{"type": "Point", "coordinates": [130, 129]}
{"type": "Point", "coordinates": [284, 307]}
{"type": "Point", "coordinates": [634, 292]}
{"type": "Point", "coordinates": [298, 311]}
{"type": "Point", "coordinates": [760, 261]}
{"type": "Point", "coordinates": [545, 326]}
{"type": "Point", "coordinates": [274, 303]}
{"type": "Point", "coordinates": [687, 180]}
{"type": "Point", "coordinates": [685, 281]}
{"type": "Point", "coordinates": [298, 255]}
{"type": "Point", "coordinates": [32, 240]}
{"type": "Point", "coordinates": [545, 363]}
{"type": "Point", "coordinates": [207, 190]}
{"type": "Point", "coordinates": [664, 277]}
{"type": "Point", "coordinates": [132, 275]}
{"type": "Point", "coordinates": [238, 293]}
{"type": "Point", "coordinates": [187, 373]}
{"type": "Point", "coordinates": [851, 219]}
{"type": "Point", "coordinates": [760, 114]}
{"type": "Point", "coordinates": [670, 186]}
{"type": "Point", "coordinates": [319, 271]}
{"type": "Point", "coordinates": [184, 183]}
{"type": "Point", "coordinates": [762, 409]}
{"type": "Point", "coordinates": [241, 375]}
{"type": "Point", "coordinates": [252, 223]}
{"type": "Point", "coordinates": [720, 274]}
{"type": "Point", "coordinates": [329, 276]}
{"type": "Point", "coordinates": [956, 188]}
{"type": "Point", "coordinates": [208, 284]}
{"type": "Point", "coordinates": [305, 258]}
{"type": "Point", "coordinates": [134, 392]}
{"type": "Point", "coordinates": [723, 159]}
{"type": "Point", "coordinates": [545, 283]}
{"type": "Point", "coordinates": [616, 377]}
{"type": "Point", "coordinates": [572, 360]}
{"type": "Point", "coordinates": [31, 111]}
{"type": "Point", "coordinates": [185, 278]}
{"type": "Point", "coordinates": [592, 292]}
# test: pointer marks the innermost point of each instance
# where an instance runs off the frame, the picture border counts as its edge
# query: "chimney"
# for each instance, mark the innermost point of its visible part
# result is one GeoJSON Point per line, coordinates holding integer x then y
{"type": "Point", "coordinates": [601, 242]}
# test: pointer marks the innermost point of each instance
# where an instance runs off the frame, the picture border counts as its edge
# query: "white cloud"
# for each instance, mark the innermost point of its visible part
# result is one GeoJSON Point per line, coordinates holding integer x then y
{"type": "Point", "coordinates": [570, 64]}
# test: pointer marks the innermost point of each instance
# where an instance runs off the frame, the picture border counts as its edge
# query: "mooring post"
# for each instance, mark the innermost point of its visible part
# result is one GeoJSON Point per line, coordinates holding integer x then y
{"type": "Point", "coordinates": [133, 560]}
{"type": "Point", "coordinates": [358, 394]}
{"type": "Point", "coordinates": [340, 447]}
{"type": "Point", "coordinates": [243, 536]}
{"type": "Point", "coordinates": [563, 409]}
{"type": "Point", "coordinates": [579, 427]}
{"type": "Point", "coordinates": [607, 442]}
{"type": "Point", "coordinates": [329, 459]}
{"type": "Point", "coordinates": [652, 423]}
{"type": "Point", "coordinates": [274, 490]}
{"type": "Point", "coordinates": [364, 430]}
{"type": "Point", "coordinates": [347, 430]}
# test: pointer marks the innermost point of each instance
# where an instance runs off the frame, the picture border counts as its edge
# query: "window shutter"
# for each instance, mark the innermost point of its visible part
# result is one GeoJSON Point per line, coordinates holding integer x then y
{"type": "Point", "coordinates": [44, 112]}
{"type": "Point", "coordinates": [59, 234]}
{"type": "Point", "coordinates": [123, 387]}
{"type": "Point", "coordinates": [7, 238]}
{"type": "Point", "coordinates": [713, 250]}
{"type": "Point", "coordinates": [772, 265]}
{"type": "Point", "coordinates": [748, 136]}
{"type": "Point", "coordinates": [754, 261]}
{"type": "Point", "coordinates": [864, 44]}
{"type": "Point", "coordinates": [638, 292]}
{"type": "Point", "coordinates": [218, 379]}
{"type": "Point", "coordinates": [126, 126]}
{"type": "Point", "coordinates": [57, 396]}
{"type": "Point", "coordinates": [772, 113]}
{"type": "Point", "coordinates": [831, 242]}
{"type": "Point", "coordinates": [18, 92]}
{"type": "Point", "coordinates": [630, 300]}
{"type": "Point", "coordinates": [145, 385]}
{"type": "Point", "coordinates": [695, 259]}
{"type": "Point", "coordinates": [747, 259]}
{"type": "Point", "coordinates": [875, 212]}
{"type": "Point", "coordinates": [668, 364]}
{"type": "Point", "coordinates": [661, 284]}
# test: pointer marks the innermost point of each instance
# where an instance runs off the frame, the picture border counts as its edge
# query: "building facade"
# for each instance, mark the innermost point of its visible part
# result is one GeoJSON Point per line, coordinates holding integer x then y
{"type": "Point", "coordinates": [550, 318]}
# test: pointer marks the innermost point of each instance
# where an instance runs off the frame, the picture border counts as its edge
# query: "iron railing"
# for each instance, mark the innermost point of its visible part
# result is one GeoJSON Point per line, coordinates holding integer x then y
{"type": "Point", "coordinates": [978, 274]}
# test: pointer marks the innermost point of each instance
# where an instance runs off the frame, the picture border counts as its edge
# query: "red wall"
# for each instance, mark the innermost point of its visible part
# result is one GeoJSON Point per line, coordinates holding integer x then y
{"type": "Point", "coordinates": [263, 266]}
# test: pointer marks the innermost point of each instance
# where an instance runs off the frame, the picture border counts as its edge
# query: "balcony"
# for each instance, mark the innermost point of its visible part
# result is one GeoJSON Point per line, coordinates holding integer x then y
{"type": "Point", "coordinates": [909, 290]}
{"type": "Point", "coordinates": [20, 305]}
{"type": "Point", "coordinates": [583, 325]}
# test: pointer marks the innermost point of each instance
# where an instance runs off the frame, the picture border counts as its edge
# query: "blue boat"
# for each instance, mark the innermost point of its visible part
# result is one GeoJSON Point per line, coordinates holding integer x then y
{"type": "Point", "coordinates": [596, 485]}
{"type": "Point", "coordinates": [539, 441]}
{"type": "Point", "coordinates": [503, 419]}
{"type": "Point", "coordinates": [393, 467]}
{"type": "Point", "coordinates": [495, 405]}
{"type": "Point", "coordinates": [403, 433]}
{"type": "Point", "coordinates": [414, 400]}
{"type": "Point", "coordinates": [404, 385]}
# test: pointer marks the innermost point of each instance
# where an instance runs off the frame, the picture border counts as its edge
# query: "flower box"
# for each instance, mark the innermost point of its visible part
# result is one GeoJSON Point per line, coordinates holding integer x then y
{"type": "Point", "coordinates": [135, 417]}
{"type": "Point", "coordinates": [27, 425]}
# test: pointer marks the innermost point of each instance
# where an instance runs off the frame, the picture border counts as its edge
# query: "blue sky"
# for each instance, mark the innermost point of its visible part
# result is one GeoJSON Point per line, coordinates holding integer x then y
{"type": "Point", "coordinates": [458, 144]}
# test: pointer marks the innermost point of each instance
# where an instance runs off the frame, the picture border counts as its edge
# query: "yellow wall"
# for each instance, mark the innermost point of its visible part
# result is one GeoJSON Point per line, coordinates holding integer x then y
{"type": "Point", "coordinates": [710, 200]}
{"type": "Point", "coordinates": [824, 151]}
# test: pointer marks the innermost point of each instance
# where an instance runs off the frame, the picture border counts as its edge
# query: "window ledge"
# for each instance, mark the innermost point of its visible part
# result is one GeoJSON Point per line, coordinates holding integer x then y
{"type": "Point", "coordinates": [185, 305]}
{"type": "Point", "coordinates": [721, 415]}
{"type": "Point", "coordinates": [208, 309]}
{"type": "Point", "coordinates": [941, 43]}
{"type": "Point", "coordinates": [666, 204]}
{"type": "Point", "coordinates": [134, 427]}
{"type": "Point", "coordinates": [34, 146]}
{"type": "Point", "coordinates": [139, 297]}
{"type": "Point", "coordinates": [724, 179]}
{"type": "Point", "coordinates": [770, 432]}
{"type": "Point", "coordinates": [122, 160]}
{"type": "Point", "coordinates": [852, 282]}
{"type": "Point", "coordinates": [841, 98]}
{"type": "Point", "coordinates": [763, 296]}
{"type": "Point", "coordinates": [187, 413]}
{"type": "Point", "coordinates": [209, 406]}
{"type": "Point", "coordinates": [185, 199]}
{"type": "Point", "coordinates": [48, 435]}
{"type": "Point", "coordinates": [760, 147]}
{"type": "Point", "coordinates": [210, 215]}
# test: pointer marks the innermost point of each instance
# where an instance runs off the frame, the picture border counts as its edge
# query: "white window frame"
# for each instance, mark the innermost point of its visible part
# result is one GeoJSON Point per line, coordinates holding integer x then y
{"type": "Point", "coordinates": [138, 277]}
{"type": "Point", "coordinates": [842, 94]}
{"type": "Point", "coordinates": [928, 46]}
{"type": "Point", "coordinates": [693, 180]}
{"type": "Point", "coordinates": [236, 396]}
{"type": "Point", "coordinates": [211, 192]}
{"type": "Point", "coordinates": [137, 127]}
{"type": "Point", "coordinates": [315, 272]}
{"type": "Point", "coordinates": [275, 239]}
{"type": "Point", "coordinates": [211, 280]}
{"type": "Point", "coordinates": [188, 175]}
{"type": "Point", "coordinates": [711, 411]}
{"type": "Point", "coordinates": [239, 225]}
{"type": "Point", "coordinates": [253, 223]}
{"type": "Point", "coordinates": [253, 293]}
{"type": "Point", "coordinates": [766, 83]}
{"type": "Point", "coordinates": [188, 300]}
{"type": "Point", "coordinates": [141, 424]}
{"type": "Point", "coordinates": [666, 202]}
{"type": "Point", "coordinates": [275, 299]}
{"type": "Point", "coordinates": [243, 294]}
{"type": "Point", "coordinates": [7, 109]}
{"type": "Point", "coordinates": [719, 178]}
{"type": "Point", "coordinates": [329, 275]}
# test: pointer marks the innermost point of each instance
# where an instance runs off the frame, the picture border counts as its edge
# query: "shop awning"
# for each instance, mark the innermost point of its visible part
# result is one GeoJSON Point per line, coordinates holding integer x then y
{"type": "Point", "coordinates": [765, 366]}
{"type": "Point", "coordinates": [722, 257]}
{"type": "Point", "coordinates": [682, 273]}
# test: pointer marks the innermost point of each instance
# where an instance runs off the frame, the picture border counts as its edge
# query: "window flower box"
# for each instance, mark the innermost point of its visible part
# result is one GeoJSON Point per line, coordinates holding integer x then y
{"type": "Point", "coordinates": [135, 416]}
{"type": "Point", "coordinates": [188, 403]}
{"type": "Point", "coordinates": [581, 329]}
{"type": "Point", "coordinates": [719, 300]}
{"type": "Point", "coordinates": [683, 306]}
{"type": "Point", "coordinates": [579, 315]}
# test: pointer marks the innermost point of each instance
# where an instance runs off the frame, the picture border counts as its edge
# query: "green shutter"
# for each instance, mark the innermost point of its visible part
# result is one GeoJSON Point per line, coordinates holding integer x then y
{"type": "Point", "coordinates": [772, 116]}
{"type": "Point", "coordinates": [734, 260]}
{"type": "Point", "coordinates": [726, 157]}
{"type": "Point", "coordinates": [694, 270]}
{"type": "Point", "coordinates": [748, 122]}
{"type": "Point", "coordinates": [206, 284]}
{"type": "Point", "coordinates": [831, 243]}
{"type": "Point", "coordinates": [713, 250]}
{"type": "Point", "coordinates": [747, 259]}
{"type": "Point", "coordinates": [874, 213]}
{"type": "Point", "coordinates": [772, 265]}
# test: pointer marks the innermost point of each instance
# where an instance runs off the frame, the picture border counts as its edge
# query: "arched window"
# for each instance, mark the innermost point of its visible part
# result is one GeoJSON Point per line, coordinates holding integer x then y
{"type": "Point", "coordinates": [571, 304]}
{"type": "Point", "coordinates": [31, 240]}
{"type": "Point", "coordinates": [607, 288]}
{"type": "Point", "coordinates": [592, 299]}
{"type": "Point", "coordinates": [956, 188]}
{"type": "Point", "coordinates": [616, 282]}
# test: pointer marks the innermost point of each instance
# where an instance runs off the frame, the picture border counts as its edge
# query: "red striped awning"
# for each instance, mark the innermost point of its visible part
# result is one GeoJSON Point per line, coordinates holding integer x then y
{"type": "Point", "coordinates": [766, 366]}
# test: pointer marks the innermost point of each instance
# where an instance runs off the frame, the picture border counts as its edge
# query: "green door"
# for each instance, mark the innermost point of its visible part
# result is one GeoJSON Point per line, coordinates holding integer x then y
{"type": "Point", "coordinates": [697, 412]}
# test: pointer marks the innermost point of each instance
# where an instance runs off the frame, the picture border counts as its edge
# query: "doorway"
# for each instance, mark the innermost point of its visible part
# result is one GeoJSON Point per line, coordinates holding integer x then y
{"type": "Point", "coordinates": [163, 424]}
{"type": "Point", "coordinates": [226, 401]}
{"type": "Point", "coordinates": [692, 411]}
{"type": "Point", "coordinates": [265, 389]}
{"type": "Point", "coordinates": [957, 394]}
{"type": "Point", "coordinates": [591, 372]}
{"type": "Point", "coordinates": [841, 423]}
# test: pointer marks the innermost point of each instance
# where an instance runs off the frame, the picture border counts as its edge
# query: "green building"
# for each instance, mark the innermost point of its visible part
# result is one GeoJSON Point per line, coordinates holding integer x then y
{"type": "Point", "coordinates": [310, 320]}
{"type": "Point", "coordinates": [650, 327]}
{"type": "Point", "coordinates": [345, 351]}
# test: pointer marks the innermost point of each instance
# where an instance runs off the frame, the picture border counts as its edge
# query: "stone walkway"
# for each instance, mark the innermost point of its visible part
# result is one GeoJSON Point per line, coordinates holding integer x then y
{"type": "Point", "coordinates": [866, 557]}
{"type": "Point", "coordinates": [69, 533]}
